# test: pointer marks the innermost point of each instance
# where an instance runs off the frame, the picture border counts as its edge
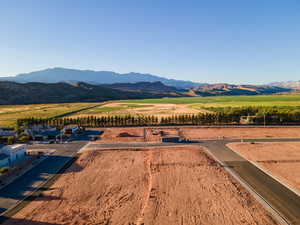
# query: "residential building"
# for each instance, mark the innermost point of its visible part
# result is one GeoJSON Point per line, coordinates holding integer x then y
{"type": "Point", "coordinates": [13, 153]}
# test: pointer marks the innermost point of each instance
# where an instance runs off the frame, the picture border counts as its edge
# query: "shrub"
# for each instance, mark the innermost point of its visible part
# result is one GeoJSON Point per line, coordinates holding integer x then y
{"type": "Point", "coordinates": [23, 139]}
{"type": "Point", "coordinates": [4, 170]}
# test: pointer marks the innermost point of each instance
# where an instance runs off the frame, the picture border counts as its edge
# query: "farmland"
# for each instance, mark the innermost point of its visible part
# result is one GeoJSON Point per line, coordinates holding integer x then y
{"type": "Point", "coordinates": [9, 114]}
{"type": "Point", "coordinates": [271, 100]}
{"type": "Point", "coordinates": [158, 107]}
{"type": "Point", "coordinates": [193, 105]}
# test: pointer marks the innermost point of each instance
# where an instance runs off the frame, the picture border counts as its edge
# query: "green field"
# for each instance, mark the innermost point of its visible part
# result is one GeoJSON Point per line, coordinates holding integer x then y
{"type": "Point", "coordinates": [271, 100]}
{"type": "Point", "coordinates": [159, 107]}
{"type": "Point", "coordinates": [9, 114]}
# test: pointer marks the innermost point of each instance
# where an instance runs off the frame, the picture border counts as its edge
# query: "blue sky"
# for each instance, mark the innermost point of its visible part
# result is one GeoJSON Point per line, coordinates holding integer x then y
{"type": "Point", "coordinates": [234, 41]}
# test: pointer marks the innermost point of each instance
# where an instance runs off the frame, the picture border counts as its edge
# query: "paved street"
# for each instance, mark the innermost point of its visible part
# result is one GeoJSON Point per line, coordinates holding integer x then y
{"type": "Point", "coordinates": [284, 201]}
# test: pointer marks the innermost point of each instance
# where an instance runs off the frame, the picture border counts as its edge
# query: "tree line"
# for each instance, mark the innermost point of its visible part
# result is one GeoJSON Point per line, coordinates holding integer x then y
{"type": "Point", "coordinates": [217, 116]}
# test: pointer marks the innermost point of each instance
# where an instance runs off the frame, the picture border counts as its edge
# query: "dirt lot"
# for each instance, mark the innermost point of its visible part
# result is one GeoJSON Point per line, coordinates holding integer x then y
{"type": "Point", "coordinates": [138, 133]}
{"type": "Point", "coordinates": [113, 135]}
{"type": "Point", "coordinates": [241, 132]}
{"type": "Point", "coordinates": [282, 159]}
{"type": "Point", "coordinates": [166, 186]}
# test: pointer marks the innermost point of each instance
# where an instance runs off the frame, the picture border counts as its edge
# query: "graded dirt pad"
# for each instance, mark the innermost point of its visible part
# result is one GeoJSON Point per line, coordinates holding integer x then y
{"type": "Point", "coordinates": [112, 134]}
{"type": "Point", "coordinates": [136, 134]}
{"type": "Point", "coordinates": [100, 187]}
{"type": "Point", "coordinates": [282, 159]}
{"type": "Point", "coordinates": [240, 132]}
{"type": "Point", "coordinates": [166, 186]}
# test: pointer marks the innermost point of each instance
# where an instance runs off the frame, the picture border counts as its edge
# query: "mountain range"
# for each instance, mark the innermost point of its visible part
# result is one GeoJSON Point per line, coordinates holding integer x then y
{"type": "Point", "coordinates": [221, 89]}
{"type": "Point", "coordinates": [12, 93]}
{"type": "Point", "coordinates": [295, 85]}
{"type": "Point", "coordinates": [54, 75]}
{"type": "Point", "coordinates": [59, 85]}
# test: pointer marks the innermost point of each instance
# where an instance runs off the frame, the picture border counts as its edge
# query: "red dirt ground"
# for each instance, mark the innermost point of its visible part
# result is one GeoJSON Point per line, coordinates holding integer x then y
{"type": "Point", "coordinates": [241, 132]}
{"type": "Point", "coordinates": [111, 135]}
{"type": "Point", "coordinates": [165, 186]}
{"type": "Point", "coordinates": [282, 159]}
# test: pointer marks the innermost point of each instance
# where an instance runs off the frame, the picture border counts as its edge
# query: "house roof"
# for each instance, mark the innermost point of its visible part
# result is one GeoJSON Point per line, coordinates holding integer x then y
{"type": "Point", "coordinates": [3, 156]}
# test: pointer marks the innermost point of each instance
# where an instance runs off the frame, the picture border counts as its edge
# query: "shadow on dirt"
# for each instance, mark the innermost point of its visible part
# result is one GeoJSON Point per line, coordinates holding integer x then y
{"type": "Point", "coordinates": [40, 173]}
{"type": "Point", "coordinates": [13, 221]}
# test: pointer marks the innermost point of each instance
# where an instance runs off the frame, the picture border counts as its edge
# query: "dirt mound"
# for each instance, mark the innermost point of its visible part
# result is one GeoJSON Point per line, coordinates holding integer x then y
{"type": "Point", "coordinates": [126, 134]}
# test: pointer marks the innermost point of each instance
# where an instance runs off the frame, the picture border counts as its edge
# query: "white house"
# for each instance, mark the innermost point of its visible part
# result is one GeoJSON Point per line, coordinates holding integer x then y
{"type": "Point", "coordinates": [13, 152]}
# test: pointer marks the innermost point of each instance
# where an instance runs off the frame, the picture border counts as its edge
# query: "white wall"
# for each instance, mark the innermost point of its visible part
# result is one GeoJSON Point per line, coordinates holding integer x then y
{"type": "Point", "coordinates": [14, 151]}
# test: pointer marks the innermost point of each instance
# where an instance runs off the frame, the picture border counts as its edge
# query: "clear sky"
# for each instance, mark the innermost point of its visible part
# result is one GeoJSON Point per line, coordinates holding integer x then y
{"type": "Point", "coordinates": [232, 41]}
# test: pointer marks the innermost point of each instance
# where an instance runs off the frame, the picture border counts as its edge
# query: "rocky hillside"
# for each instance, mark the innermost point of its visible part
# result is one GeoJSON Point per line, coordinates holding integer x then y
{"type": "Point", "coordinates": [231, 89]}
{"type": "Point", "coordinates": [33, 93]}
{"type": "Point", "coordinates": [295, 85]}
{"type": "Point", "coordinates": [144, 86]}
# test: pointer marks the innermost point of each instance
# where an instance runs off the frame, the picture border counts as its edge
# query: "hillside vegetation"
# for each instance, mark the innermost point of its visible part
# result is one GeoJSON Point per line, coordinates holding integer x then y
{"type": "Point", "coordinates": [231, 89]}
{"type": "Point", "coordinates": [12, 93]}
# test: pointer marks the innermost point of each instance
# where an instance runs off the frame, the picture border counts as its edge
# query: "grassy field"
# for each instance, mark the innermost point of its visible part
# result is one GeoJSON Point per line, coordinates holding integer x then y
{"type": "Point", "coordinates": [271, 100]}
{"type": "Point", "coordinates": [170, 106]}
{"type": "Point", "coordinates": [158, 107]}
{"type": "Point", "coordinates": [9, 114]}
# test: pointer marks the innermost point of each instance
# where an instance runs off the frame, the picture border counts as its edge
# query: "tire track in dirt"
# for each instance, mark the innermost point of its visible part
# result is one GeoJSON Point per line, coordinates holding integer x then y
{"type": "Point", "coordinates": [140, 219]}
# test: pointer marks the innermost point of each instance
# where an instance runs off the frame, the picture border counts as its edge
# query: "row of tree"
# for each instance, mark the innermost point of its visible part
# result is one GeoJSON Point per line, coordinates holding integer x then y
{"type": "Point", "coordinates": [254, 115]}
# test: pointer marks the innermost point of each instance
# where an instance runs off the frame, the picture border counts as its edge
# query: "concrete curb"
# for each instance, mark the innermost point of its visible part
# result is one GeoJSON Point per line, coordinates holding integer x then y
{"type": "Point", "coordinates": [251, 190]}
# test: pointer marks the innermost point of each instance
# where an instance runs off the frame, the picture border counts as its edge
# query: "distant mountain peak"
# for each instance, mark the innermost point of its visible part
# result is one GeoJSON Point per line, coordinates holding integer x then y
{"type": "Point", "coordinates": [233, 89]}
{"type": "Point", "coordinates": [288, 84]}
{"type": "Point", "coordinates": [59, 74]}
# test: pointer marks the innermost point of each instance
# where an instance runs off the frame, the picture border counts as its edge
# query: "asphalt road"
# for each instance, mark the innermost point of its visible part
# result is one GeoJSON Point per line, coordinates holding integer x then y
{"type": "Point", "coordinates": [284, 201]}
